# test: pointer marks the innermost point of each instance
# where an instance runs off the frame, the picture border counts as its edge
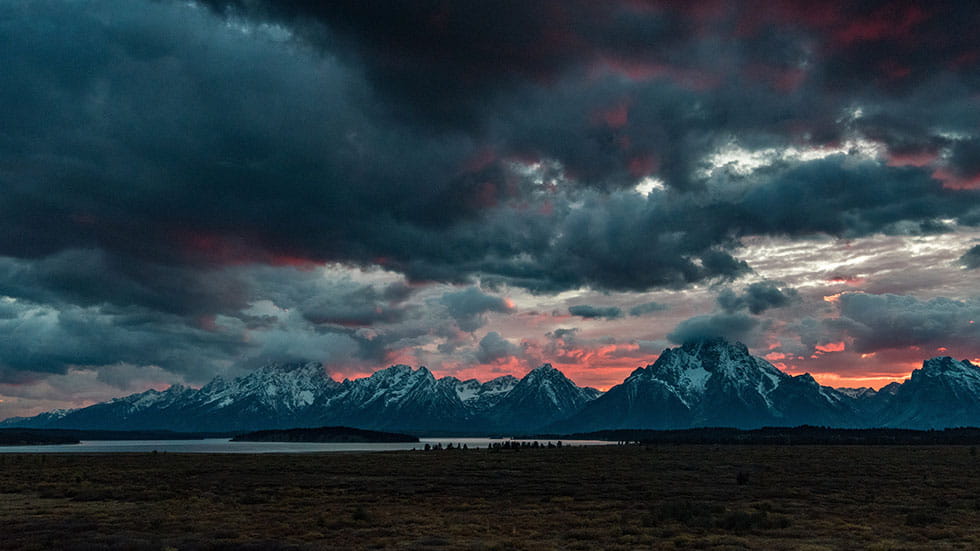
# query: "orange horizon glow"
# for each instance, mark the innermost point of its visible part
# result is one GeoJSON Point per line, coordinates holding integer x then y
{"type": "Point", "coordinates": [609, 376]}
{"type": "Point", "coordinates": [607, 365]}
{"type": "Point", "coordinates": [603, 366]}
{"type": "Point", "coordinates": [836, 381]}
{"type": "Point", "coordinates": [610, 372]}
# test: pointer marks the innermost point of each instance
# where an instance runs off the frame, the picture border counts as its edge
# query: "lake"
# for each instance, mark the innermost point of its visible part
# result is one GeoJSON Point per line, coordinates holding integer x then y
{"type": "Point", "coordinates": [224, 445]}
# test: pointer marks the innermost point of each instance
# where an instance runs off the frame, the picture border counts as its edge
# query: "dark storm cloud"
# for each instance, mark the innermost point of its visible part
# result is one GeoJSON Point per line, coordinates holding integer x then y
{"type": "Point", "coordinates": [363, 306]}
{"type": "Point", "coordinates": [565, 334]}
{"type": "Point", "coordinates": [734, 327]}
{"type": "Point", "coordinates": [91, 277]}
{"type": "Point", "coordinates": [849, 197]}
{"type": "Point", "coordinates": [467, 50]}
{"type": "Point", "coordinates": [469, 307]}
{"type": "Point", "coordinates": [815, 332]}
{"type": "Point", "coordinates": [877, 322]}
{"type": "Point", "coordinates": [493, 347]}
{"type": "Point", "coordinates": [478, 48]}
{"type": "Point", "coordinates": [76, 336]}
{"type": "Point", "coordinates": [648, 308]}
{"type": "Point", "coordinates": [758, 297]}
{"type": "Point", "coordinates": [971, 258]}
{"type": "Point", "coordinates": [786, 70]}
{"type": "Point", "coordinates": [590, 312]}
{"type": "Point", "coordinates": [73, 309]}
{"type": "Point", "coordinates": [289, 155]}
{"type": "Point", "coordinates": [154, 156]}
{"type": "Point", "coordinates": [617, 241]}
{"type": "Point", "coordinates": [965, 158]}
{"type": "Point", "coordinates": [196, 148]}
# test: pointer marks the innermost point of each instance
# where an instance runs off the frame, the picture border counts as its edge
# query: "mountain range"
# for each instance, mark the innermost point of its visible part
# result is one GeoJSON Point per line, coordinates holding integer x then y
{"type": "Point", "coordinates": [704, 383]}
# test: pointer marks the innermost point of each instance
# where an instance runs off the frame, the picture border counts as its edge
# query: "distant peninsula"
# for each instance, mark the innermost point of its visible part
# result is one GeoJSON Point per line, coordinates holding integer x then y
{"type": "Point", "coordinates": [324, 434]}
{"type": "Point", "coordinates": [31, 437]}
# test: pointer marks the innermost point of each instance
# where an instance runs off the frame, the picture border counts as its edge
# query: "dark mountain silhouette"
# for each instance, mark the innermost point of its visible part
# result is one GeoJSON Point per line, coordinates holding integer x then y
{"type": "Point", "coordinates": [704, 383]}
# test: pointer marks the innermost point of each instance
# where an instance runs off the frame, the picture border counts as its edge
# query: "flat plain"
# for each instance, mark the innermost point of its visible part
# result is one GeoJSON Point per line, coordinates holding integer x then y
{"type": "Point", "coordinates": [614, 497]}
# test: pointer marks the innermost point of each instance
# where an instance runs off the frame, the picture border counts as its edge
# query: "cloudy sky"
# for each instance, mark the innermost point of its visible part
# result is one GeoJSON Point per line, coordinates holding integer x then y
{"type": "Point", "coordinates": [193, 188]}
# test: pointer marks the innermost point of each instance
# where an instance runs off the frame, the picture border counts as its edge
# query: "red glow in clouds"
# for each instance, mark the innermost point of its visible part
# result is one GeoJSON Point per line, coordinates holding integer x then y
{"type": "Point", "coordinates": [480, 160]}
{"type": "Point", "coordinates": [614, 117]}
{"type": "Point", "coordinates": [692, 79]}
{"type": "Point", "coordinates": [851, 281]}
{"type": "Point", "coordinates": [916, 158]}
{"type": "Point", "coordinates": [831, 347]}
{"type": "Point", "coordinates": [951, 180]}
{"type": "Point", "coordinates": [237, 251]}
{"type": "Point", "coordinates": [600, 367]}
{"type": "Point", "coordinates": [643, 165]}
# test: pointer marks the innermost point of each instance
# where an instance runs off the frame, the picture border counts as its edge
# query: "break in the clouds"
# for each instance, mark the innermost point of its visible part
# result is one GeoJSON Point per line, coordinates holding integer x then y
{"type": "Point", "coordinates": [192, 188]}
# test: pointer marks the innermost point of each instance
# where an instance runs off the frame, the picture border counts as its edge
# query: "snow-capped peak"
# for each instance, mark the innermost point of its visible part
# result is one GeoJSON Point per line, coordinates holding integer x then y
{"type": "Point", "coordinates": [398, 375]}
{"type": "Point", "coordinates": [286, 386]}
{"type": "Point", "coordinates": [946, 365]}
{"type": "Point", "coordinates": [477, 395]}
{"type": "Point", "coordinates": [544, 372]}
{"type": "Point", "coordinates": [153, 397]}
{"type": "Point", "coordinates": [962, 374]}
{"type": "Point", "coordinates": [858, 393]}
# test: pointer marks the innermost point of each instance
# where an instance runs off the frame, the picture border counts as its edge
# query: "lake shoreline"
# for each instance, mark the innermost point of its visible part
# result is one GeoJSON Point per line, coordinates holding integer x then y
{"type": "Point", "coordinates": [223, 446]}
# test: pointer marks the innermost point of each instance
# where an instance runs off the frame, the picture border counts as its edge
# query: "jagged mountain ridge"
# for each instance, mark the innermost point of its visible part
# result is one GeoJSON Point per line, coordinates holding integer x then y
{"type": "Point", "coordinates": [702, 383]}
{"type": "Point", "coordinates": [942, 393]}
{"type": "Point", "coordinates": [711, 382]}
{"type": "Point", "coordinates": [543, 396]}
{"type": "Point", "coordinates": [398, 397]}
{"type": "Point", "coordinates": [281, 396]}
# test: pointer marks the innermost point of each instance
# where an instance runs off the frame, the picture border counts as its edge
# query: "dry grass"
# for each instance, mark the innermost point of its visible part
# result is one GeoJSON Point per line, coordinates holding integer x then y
{"type": "Point", "coordinates": [696, 497]}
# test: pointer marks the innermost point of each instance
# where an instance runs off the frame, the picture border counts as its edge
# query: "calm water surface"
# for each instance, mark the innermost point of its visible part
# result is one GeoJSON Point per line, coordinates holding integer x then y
{"type": "Point", "coordinates": [224, 445]}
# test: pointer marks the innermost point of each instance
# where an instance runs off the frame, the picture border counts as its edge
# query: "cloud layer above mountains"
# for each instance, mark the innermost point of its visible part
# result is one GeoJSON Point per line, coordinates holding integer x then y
{"type": "Point", "coordinates": [193, 188]}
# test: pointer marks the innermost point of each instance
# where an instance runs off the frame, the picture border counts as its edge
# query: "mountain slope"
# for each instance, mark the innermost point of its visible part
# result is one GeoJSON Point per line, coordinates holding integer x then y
{"type": "Point", "coordinates": [711, 382]}
{"type": "Point", "coordinates": [700, 384]}
{"type": "Point", "coordinates": [482, 396]}
{"type": "Point", "coordinates": [145, 410]}
{"type": "Point", "coordinates": [943, 393]}
{"type": "Point", "coordinates": [279, 396]}
{"type": "Point", "coordinates": [396, 398]}
{"type": "Point", "coordinates": [274, 396]}
{"type": "Point", "coordinates": [543, 396]}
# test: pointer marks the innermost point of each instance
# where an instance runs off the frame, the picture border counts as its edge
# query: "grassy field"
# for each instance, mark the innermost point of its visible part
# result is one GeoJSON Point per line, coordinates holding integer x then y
{"type": "Point", "coordinates": [693, 497]}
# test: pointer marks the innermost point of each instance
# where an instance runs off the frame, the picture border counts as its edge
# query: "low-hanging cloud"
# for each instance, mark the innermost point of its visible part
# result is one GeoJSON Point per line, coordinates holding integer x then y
{"type": "Point", "coordinates": [971, 258]}
{"type": "Point", "coordinates": [588, 311]}
{"type": "Point", "coordinates": [758, 297]}
{"type": "Point", "coordinates": [493, 347]}
{"type": "Point", "coordinates": [469, 307]}
{"type": "Point", "coordinates": [734, 327]}
{"type": "Point", "coordinates": [648, 308]}
{"type": "Point", "coordinates": [877, 322]}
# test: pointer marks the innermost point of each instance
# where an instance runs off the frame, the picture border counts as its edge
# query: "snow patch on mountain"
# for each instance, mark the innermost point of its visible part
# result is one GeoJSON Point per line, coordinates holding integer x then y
{"type": "Point", "coordinates": [702, 383]}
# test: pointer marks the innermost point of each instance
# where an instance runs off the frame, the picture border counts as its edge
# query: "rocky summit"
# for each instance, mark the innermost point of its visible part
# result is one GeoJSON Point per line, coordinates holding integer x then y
{"type": "Point", "coordinates": [704, 383]}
